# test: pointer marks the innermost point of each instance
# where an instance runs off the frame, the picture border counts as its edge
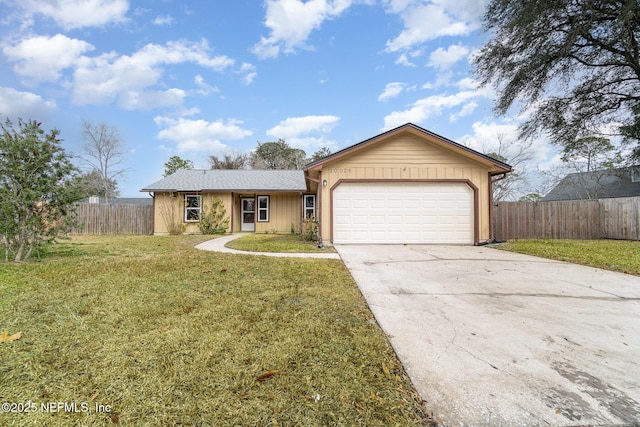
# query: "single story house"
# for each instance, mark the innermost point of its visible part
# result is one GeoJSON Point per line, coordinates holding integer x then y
{"type": "Point", "coordinates": [600, 184]}
{"type": "Point", "coordinates": [406, 185]}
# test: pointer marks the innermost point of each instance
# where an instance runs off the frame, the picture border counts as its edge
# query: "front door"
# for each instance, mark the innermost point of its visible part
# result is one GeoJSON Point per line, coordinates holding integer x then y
{"type": "Point", "coordinates": [248, 213]}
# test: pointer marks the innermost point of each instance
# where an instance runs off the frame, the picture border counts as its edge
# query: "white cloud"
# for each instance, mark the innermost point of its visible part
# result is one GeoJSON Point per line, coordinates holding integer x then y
{"type": "Point", "coordinates": [445, 58]}
{"type": "Point", "coordinates": [291, 22]}
{"type": "Point", "coordinates": [391, 90]}
{"type": "Point", "coordinates": [467, 110]}
{"type": "Point", "coordinates": [404, 60]}
{"type": "Point", "coordinates": [146, 100]}
{"type": "Point", "coordinates": [296, 126]}
{"type": "Point", "coordinates": [73, 14]}
{"type": "Point", "coordinates": [42, 58]}
{"type": "Point", "coordinates": [163, 20]}
{"type": "Point", "coordinates": [485, 135]}
{"type": "Point", "coordinates": [526, 156]}
{"type": "Point", "coordinates": [205, 89]}
{"type": "Point", "coordinates": [297, 131]}
{"type": "Point", "coordinates": [26, 105]}
{"type": "Point", "coordinates": [486, 138]}
{"type": "Point", "coordinates": [424, 22]}
{"type": "Point", "coordinates": [422, 109]}
{"type": "Point", "coordinates": [200, 135]}
{"type": "Point", "coordinates": [249, 73]}
{"type": "Point", "coordinates": [108, 77]}
{"type": "Point", "coordinates": [467, 84]}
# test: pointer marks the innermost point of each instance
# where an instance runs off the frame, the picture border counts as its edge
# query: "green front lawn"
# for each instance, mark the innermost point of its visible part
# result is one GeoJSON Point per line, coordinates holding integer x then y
{"type": "Point", "coordinates": [275, 243]}
{"type": "Point", "coordinates": [143, 330]}
{"type": "Point", "coordinates": [615, 255]}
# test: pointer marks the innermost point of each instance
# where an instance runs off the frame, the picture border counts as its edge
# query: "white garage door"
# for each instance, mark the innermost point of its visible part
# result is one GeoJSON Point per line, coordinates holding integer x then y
{"type": "Point", "coordinates": [386, 212]}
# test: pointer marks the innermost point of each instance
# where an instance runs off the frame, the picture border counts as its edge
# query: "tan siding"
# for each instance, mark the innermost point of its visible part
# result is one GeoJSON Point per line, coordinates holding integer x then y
{"type": "Point", "coordinates": [407, 157]}
{"type": "Point", "coordinates": [284, 211]}
{"type": "Point", "coordinates": [167, 211]}
{"type": "Point", "coordinates": [170, 210]}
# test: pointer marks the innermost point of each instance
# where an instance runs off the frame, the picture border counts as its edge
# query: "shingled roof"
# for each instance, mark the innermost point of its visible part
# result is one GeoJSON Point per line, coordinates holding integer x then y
{"type": "Point", "coordinates": [231, 180]}
{"type": "Point", "coordinates": [602, 184]}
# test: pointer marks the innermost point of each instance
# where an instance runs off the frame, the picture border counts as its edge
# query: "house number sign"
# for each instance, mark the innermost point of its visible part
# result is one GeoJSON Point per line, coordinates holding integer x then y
{"type": "Point", "coordinates": [339, 170]}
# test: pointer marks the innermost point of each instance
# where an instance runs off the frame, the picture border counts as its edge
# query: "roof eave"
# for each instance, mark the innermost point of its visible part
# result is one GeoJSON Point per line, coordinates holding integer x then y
{"type": "Point", "coordinates": [222, 190]}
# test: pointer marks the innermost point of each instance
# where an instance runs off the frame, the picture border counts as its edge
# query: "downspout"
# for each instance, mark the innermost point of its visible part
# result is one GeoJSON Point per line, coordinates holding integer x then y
{"type": "Point", "coordinates": [153, 213]}
{"type": "Point", "coordinates": [318, 208]}
{"type": "Point", "coordinates": [493, 238]}
{"type": "Point", "coordinates": [233, 211]}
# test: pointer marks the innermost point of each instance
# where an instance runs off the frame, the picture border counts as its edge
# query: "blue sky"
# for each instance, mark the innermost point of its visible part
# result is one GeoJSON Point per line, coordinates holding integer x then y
{"type": "Point", "coordinates": [195, 79]}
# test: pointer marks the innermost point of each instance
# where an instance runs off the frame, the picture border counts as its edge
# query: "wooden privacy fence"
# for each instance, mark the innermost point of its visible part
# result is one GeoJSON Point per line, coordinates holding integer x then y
{"type": "Point", "coordinates": [114, 219]}
{"type": "Point", "coordinates": [575, 219]}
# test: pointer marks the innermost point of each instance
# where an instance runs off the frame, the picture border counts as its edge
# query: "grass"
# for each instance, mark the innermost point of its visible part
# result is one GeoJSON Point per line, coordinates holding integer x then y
{"type": "Point", "coordinates": [160, 333]}
{"type": "Point", "coordinates": [615, 255]}
{"type": "Point", "coordinates": [275, 243]}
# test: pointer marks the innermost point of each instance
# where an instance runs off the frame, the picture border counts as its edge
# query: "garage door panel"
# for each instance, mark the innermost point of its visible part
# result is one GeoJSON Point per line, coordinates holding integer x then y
{"type": "Point", "coordinates": [403, 213]}
{"type": "Point", "coordinates": [377, 219]}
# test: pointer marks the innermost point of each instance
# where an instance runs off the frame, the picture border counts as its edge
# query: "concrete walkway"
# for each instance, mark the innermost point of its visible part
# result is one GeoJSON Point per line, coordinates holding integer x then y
{"type": "Point", "coordinates": [218, 245]}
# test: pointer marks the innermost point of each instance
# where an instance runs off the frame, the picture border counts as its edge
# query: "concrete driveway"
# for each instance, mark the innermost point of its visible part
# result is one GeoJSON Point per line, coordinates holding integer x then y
{"type": "Point", "coordinates": [492, 338]}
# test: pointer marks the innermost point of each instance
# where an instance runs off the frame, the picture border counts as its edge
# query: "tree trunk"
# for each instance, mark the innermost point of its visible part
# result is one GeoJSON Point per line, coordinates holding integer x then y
{"type": "Point", "coordinates": [18, 256]}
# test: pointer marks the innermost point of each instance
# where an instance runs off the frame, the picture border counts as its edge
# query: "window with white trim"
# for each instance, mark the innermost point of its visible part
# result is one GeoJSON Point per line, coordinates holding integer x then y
{"type": "Point", "coordinates": [263, 208]}
{"type": "Point", "coordinates": [309, 205]}
{"type": "Point", "coordinates": [191, 208]}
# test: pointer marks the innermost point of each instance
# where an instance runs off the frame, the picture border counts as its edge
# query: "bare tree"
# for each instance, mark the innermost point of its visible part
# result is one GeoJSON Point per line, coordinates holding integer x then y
{"type": "Point", "coordinates": [515, 153]}
{"type": "Point", "coordinates": [103, 151]}
{"type": "Point", "coordinates": [230, 160]}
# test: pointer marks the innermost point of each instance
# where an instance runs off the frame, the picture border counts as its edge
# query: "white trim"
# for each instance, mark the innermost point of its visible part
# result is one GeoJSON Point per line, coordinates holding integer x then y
{"type": "Point", "coordinates": [247, 226]}
{"type": "Point", "coordinates": [259, 209]}
{"type": "Point", "coordinates": [188, 208]}
{"type": "Point", "coordinates": [305, 208]}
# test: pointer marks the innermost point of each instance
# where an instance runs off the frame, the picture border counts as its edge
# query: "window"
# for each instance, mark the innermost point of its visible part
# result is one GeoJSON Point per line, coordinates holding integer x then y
{"type": "Point", "coordinates": [263, 208]}
{"type": "Point", "coordinates": [191, 208]}
{"type": "Point", "coordinates": [309, 201]}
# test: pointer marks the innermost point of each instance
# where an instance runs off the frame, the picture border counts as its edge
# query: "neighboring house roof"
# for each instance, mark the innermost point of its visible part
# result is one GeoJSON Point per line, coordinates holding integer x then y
{"type": "Point", "coordinates": [231, 180]}
{"type": "Point", "coordinates": [124, 201]}
{"type": "Point", "coordinates": [602, 184]}
{"type": "Point", "coordinates": [496, 166]}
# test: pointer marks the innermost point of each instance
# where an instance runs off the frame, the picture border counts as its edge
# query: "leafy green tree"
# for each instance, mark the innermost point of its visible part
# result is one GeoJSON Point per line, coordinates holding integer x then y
{"type": "Point", "coordinates": [591, 153]}
{"type": "Point", "coordinates": [277, 155]}
{"type": "Point", "coordinates": [573, 65]}
{"type": "Point", "coordinates": [589, 161]}
{"type": "Point", "coordinates": [631, 130]}
{"type": "Point", "coordinates": [176, 163]}
{"type": "Point", "coordinates": [38, 188]}
{"type": "Point", "coordinates": [92, 184]}
{"type": "Point", "coordinates": [323, 152]}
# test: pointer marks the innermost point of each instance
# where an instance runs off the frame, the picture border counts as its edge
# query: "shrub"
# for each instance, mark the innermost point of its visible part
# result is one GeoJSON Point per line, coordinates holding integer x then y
{"type": "Point", "coordinates": [309, 229]}
{"type": "Point", "coordinates": [214, 221]}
